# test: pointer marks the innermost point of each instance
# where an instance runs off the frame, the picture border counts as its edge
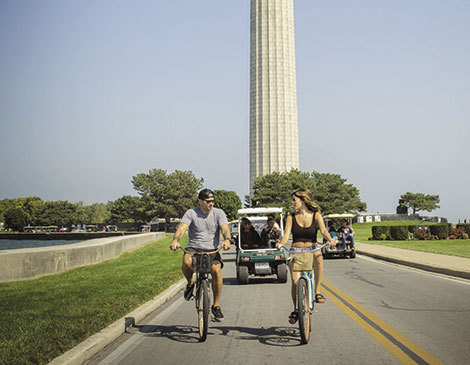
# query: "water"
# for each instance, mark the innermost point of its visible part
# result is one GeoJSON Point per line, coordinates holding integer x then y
{"type": "Point", "coordinates": [14, 244]}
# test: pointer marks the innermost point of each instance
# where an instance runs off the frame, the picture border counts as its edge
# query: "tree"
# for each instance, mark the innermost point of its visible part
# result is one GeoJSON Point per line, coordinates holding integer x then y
{"type": "Point", "coordinates": [334, 195]}
{"type": "Point", "coordinates": [127, 209]}
{"type": "Point", "coordinates": [96, 213]}
{"type": "Point", "coordinates": [32, 206]}
{"type": "Point", "coordinates": [5, 205]}
{"type": "Point", "coordinates": [61, 213]}
{"type": "Point", "coordinates": [167, 195]}
{"type": "Point", "coordinates": [276, 188]}
{"type": "Point", "coordinates": [420, 201]}
{"type": "Point", "coordinates": [16, 219]}
{"type": "Point", "coordinates": [229, 202]}
{"type": "Point", "coordinates": [331, 192]}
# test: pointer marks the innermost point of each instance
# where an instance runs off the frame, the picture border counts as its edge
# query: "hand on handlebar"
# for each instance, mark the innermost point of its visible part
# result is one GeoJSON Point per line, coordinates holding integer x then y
{"type": "Point", "coordinates": [226, 245]}
{"type": "Point", "coordinates": [332, 242]}
{"type": "Point", "coordinates": [174, 245]}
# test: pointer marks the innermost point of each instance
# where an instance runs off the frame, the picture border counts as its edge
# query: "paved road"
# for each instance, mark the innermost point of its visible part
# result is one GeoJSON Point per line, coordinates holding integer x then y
{"type": "Point", "coordinates": [375, 313]}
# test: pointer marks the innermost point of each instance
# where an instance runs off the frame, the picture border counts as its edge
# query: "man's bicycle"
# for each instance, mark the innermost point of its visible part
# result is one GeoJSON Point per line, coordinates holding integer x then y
{"type": "Point", "coordinates": [305, 293]}
{"type": "Point", "coordinates": [202, 265]}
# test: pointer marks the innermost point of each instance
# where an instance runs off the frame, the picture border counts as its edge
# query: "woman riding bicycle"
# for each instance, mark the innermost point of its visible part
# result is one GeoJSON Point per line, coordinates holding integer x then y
{"type": "Point", "coordinates": [303, 224]}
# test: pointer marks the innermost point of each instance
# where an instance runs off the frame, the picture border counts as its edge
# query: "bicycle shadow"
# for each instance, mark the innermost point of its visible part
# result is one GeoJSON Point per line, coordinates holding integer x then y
{"type": "Point", "coordinates": [252, 281]}
{"type": "Point", "coordinates": [271, 336]}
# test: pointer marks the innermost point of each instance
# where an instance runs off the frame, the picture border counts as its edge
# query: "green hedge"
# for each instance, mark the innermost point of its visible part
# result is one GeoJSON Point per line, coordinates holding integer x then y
{"type": "Point", "coordinates": [412, 228]}
{"type": "Point", "coordinates": [440, 230]}
{"type": "Point", "coordinates": [399, 233]}
{"type": "Point", "coordinates": [381, 232]}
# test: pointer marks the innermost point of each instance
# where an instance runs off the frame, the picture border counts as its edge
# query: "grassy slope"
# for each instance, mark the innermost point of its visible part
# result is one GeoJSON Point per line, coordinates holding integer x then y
{"type": "Point", "coordinates": [45, 317]}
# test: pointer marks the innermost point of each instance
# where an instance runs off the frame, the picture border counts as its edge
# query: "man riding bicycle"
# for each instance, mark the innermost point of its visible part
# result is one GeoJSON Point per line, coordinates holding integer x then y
{"type": "Point", "coordinates": [204, 224]}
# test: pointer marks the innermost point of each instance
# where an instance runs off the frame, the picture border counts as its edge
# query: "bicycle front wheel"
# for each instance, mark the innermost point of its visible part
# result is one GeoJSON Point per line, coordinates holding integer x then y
{"type": "Point", "coordinates": [304, 309]}
{"type": "Point", "coordinates": [203, 309]}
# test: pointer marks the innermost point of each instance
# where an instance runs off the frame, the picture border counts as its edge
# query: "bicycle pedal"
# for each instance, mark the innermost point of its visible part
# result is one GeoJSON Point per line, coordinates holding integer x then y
{"type": "Point", "coordinates": [216, 319]}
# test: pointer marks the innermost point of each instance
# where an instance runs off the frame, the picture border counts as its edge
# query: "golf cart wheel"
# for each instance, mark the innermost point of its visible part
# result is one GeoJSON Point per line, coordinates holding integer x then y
{"type": "Point", "coordinates": [352, 254]}
{"type": "Point", "coordinates": [242, 274]}
{"type": "Point", "coordinates": [282, 273]}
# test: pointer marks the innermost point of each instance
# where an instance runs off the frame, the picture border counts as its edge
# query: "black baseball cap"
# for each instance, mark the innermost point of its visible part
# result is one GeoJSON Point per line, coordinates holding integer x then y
{"type": "Point", "coordinates": [205, 194]}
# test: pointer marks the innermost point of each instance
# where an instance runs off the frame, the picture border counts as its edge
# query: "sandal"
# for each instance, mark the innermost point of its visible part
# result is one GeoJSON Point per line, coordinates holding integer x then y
{"type": "Point", "coordinates": [319, 298]}
{"type": "Point", "coordinates": [293, 317]}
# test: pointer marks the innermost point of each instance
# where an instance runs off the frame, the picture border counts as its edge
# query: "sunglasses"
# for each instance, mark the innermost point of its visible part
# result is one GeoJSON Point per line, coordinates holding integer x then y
{"type": "Point", "coordinates": [208, 201]}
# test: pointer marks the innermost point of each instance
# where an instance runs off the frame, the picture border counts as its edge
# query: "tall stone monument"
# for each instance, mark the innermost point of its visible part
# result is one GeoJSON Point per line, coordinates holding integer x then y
{"type": "Point", "coordinates": [274, 139]}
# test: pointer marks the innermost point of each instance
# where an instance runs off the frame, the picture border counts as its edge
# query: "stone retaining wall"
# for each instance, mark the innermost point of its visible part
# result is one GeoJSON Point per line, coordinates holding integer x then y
{"type": "Point", "coordinates": [62, 236]}
{"type": "Point", "coordinates": [30, 263]}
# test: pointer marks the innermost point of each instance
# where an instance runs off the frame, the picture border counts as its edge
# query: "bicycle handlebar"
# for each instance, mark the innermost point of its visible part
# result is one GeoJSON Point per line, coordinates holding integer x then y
{"type": "Point", "coordinates": [318, 246]}
{"type": "Point", "coordinates": [201, 252]}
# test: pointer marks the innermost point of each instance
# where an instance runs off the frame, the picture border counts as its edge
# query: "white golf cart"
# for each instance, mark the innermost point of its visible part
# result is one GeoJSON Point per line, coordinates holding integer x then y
{"type": "Point", "coordinates": [264, 259]}
{"type": "Point", "coordinates": [332, 223]}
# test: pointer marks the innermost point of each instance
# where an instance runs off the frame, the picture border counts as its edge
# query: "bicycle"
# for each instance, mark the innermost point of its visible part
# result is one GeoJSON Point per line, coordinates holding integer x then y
{"type": "Point", "coordinates": [305, 302]}
{"type": "Point", "coordinates": [202, 267]}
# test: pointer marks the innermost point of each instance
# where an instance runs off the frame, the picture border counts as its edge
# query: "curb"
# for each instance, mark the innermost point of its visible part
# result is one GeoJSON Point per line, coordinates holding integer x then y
{"type": "Point", "coordinates": [92, 345]}
{"type": "Point", "coordinates": [421, 266]}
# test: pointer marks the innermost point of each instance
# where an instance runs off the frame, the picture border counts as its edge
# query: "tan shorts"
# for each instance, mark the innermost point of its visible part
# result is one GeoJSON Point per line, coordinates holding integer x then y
{"type": "Point", "coordinates": [302, 261]}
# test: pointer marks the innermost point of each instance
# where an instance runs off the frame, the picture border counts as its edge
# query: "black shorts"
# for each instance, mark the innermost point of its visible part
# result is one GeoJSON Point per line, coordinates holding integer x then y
{"type": "Point", "coordinates": [217, 256]}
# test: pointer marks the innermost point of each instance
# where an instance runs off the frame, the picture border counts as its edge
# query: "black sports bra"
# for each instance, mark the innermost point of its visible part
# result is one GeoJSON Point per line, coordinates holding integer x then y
{"type": "Point", "coordinates": [304, 234]}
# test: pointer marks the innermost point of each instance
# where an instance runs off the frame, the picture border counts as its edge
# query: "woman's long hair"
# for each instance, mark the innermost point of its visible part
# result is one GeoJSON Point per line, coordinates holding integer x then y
{"type": "Point", "coordinates": [307, 197]}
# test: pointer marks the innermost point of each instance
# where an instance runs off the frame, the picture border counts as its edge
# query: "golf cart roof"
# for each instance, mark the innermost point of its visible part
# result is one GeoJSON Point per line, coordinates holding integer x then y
{"type": "Point", "coordinates": [259, 211]}
{"type": "Point", "coordinates": [338, 216]}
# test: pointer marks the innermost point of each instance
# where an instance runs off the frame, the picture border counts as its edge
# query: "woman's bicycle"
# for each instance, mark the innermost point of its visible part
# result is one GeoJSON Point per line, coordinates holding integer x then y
{"type": "Point", "coordinates": [305, 302]}
{"type": "Point", "coordinates": [202, 265]}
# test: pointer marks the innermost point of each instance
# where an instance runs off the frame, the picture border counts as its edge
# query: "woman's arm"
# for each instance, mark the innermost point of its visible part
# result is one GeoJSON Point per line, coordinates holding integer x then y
{"type": "Point", "coordinates": [287, 231]}
{"type": "Point", "coordinates": [321, 226]}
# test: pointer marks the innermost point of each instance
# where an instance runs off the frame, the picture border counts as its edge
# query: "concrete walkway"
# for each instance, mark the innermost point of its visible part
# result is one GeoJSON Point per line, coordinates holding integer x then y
{"type": "Point", "coordinates": [443, 264]}
{"type": "Point", "coordinates": [449, 265]}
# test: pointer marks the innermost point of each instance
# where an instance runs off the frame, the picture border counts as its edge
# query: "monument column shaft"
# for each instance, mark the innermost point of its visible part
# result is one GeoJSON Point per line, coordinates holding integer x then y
{"type": "Point", "coordinates": [274, 141]}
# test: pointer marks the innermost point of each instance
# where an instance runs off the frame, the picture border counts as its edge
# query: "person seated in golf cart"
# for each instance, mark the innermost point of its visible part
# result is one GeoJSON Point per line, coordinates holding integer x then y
{"type": "Point", "coordinates": [270, 233]}
{"type": "Point", "coordinates": [332, 230]}
{"type": "Point", "coordinates": [346, 233]}
{"type": "Point", "coordinates": [249, 238]}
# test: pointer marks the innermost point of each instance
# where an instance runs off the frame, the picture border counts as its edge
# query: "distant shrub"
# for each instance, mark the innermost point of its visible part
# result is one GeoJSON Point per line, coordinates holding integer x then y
{"type": "Point", "coordinates": [381, 232]}
{"type": "Point", "coordinates": [440, 230]}
{"type": "Point", "coordinates": [399, 233]}
{"type": "Point", "coordinates": [412, 228]}
{"type": "Point", "coordinates": [422, 233]}
{"type": "Point", "coordinates": [458, 232]}
{"type": "Point", "coordinates": [465, 226]}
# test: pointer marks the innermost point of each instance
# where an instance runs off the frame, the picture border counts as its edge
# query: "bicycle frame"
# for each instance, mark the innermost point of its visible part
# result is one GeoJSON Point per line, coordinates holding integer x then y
{"type": "Point", "coordinates": [202, 288]}
{"type": "Point", "coordinates": [310, 277]}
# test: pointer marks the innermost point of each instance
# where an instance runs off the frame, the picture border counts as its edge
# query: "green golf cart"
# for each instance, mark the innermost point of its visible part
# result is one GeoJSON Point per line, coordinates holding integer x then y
{"type": "Point", "coordinates": [255, 258]}
{"type": "Point", "coordinates": [332, 222]}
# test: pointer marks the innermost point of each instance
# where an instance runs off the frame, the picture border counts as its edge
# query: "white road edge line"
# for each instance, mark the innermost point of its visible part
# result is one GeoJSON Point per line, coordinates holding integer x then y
{"type": "Point", "coordinates": [403, 267]}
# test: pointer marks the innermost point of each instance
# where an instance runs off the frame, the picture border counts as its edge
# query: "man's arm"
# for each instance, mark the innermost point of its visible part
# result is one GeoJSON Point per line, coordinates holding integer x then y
{"type": "Point", "coordinates": [180, 231]}
{"type": "Point", "coordinates": [227, 236]}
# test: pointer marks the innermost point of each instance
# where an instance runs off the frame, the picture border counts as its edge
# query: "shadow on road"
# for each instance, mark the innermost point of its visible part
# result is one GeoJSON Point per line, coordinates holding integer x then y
{"type": "Point", "coordinates": [272, 336]}
{"type": "Point", "coordinates": [253, 281]}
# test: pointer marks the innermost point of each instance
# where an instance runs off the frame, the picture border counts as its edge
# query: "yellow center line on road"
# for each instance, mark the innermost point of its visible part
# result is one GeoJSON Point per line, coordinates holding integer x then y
{"type": "Point", "coordinates": [405, 350]}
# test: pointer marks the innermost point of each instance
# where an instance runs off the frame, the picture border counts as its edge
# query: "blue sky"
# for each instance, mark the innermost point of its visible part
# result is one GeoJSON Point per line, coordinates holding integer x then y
{"type": "Point", "coordinates": [94, 92]}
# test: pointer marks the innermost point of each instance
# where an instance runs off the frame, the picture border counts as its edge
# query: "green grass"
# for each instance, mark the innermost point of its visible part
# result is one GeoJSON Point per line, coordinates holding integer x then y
{"type": "Point", "coordinates": [43, 318]}
{"type": "Point", "coordinates": [459, 248]}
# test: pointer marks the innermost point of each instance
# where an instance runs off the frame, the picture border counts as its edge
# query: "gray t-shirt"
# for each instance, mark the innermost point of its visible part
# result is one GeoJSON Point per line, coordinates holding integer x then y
{"type": "Point", "coordinates": [204, 228]}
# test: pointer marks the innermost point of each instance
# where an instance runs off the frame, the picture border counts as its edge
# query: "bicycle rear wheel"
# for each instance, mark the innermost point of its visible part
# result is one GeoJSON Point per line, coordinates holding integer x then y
{"type": "Point", "coordinates": [203, 309]}
{"type": "Point", "coordinates": [304, 309]}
